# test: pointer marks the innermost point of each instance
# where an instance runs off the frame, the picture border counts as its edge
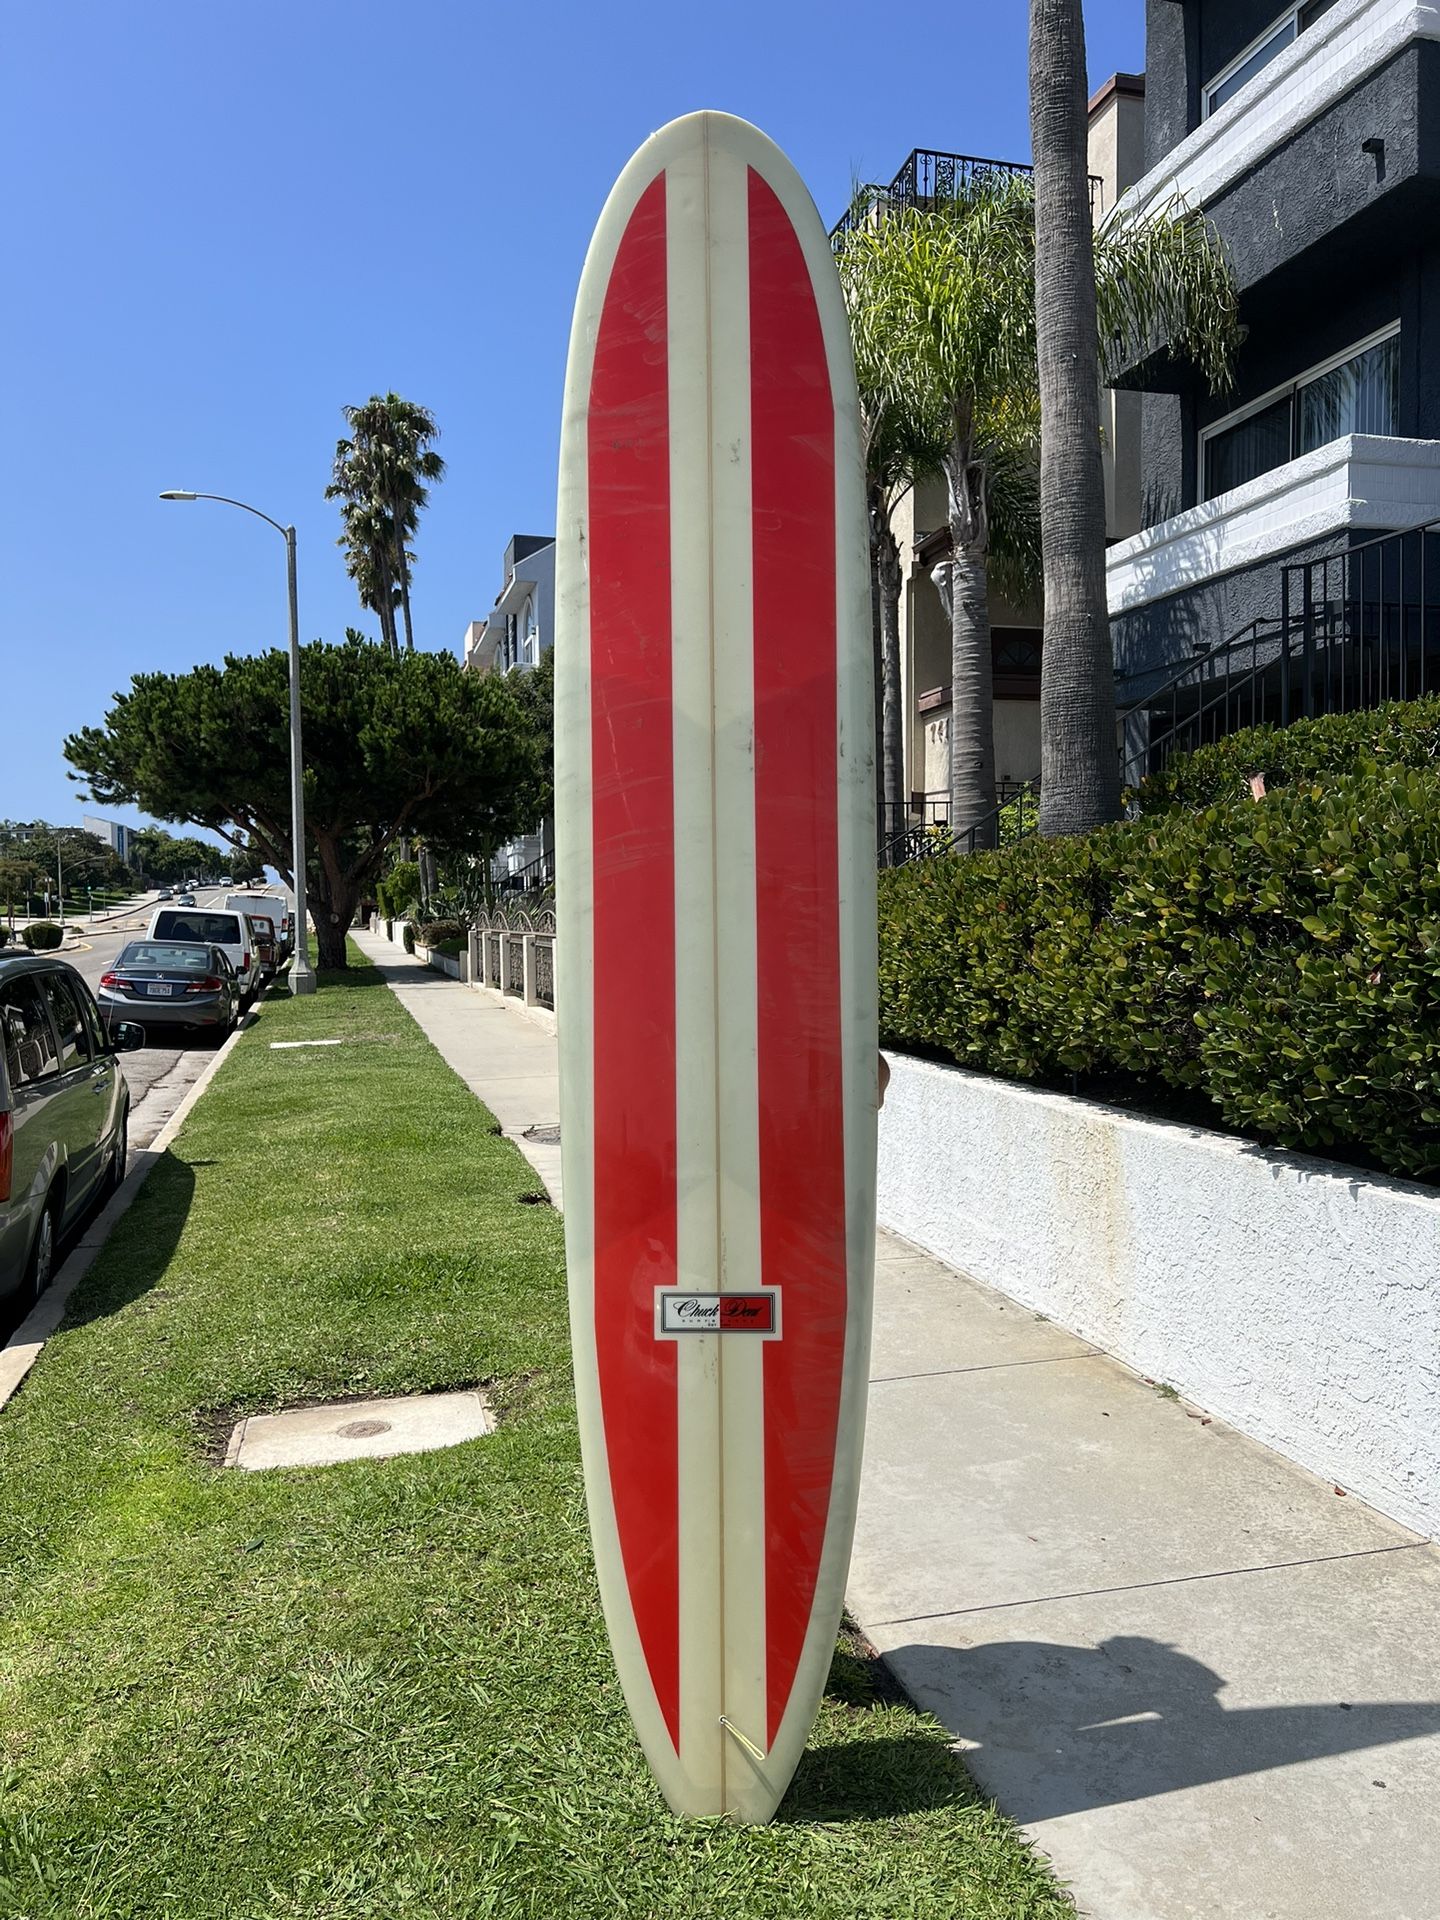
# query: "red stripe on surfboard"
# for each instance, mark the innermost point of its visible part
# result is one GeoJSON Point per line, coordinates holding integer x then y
{"type": "Point", "coordinates": [802, 1162]}
{"type": "Point", "coordinates": [633, 966]}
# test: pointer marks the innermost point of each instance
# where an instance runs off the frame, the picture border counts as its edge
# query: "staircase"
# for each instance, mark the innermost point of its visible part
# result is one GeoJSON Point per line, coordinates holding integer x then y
{"type": "Point", "coordinates": [1354, 629]}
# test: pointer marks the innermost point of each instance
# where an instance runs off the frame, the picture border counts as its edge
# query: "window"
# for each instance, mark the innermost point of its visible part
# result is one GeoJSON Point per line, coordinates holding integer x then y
{"type": "Point", "coordinates": [29, 1042]}
{"type": "Point", "coordinates": [193, 925]}
{"type": "Point", "coordinates": [69, 1021]}
{"type": "Point", "coordinates": [98, 1042]}
{"type": "Point", "coordinates": [1357, 393]}
{"type": "Point", "coordinates": [164, 953]}
{"type": "Point", "coordinates": [1274, 40]}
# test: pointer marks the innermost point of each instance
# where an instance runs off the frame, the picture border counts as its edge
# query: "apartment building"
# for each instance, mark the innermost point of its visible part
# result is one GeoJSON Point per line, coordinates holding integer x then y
{"type": "Point", "coordinates": [518, 629]}
{"type": "Point", "coordinates": [1273, 548]}
{"type": "Point", "coordinates": [919, 520]}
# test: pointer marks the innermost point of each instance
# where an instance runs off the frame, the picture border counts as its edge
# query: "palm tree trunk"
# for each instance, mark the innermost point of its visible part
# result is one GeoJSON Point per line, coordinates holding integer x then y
{"type": "Point", "coordinates": [882, 825]}
{"type": "Point", "coordinates": [1079, 761]}
{"type": "Point", "coordinates": [892, 744]}
{"type": "Point", "coordinates": [972, 699]}
{"type": "Point", "coordinates": [405, 609]}
{"type": "Point", "coordinates": [972, 680]}
{"type": "Point", "coordinates": [386, 607]}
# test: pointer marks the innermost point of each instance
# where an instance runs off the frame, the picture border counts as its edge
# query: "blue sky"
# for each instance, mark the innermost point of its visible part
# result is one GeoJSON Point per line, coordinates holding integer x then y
{"type": "Point", "coordinates": [226, 221]}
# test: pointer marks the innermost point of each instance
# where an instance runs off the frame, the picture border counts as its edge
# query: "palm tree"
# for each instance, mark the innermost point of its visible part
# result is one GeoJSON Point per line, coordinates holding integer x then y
{"type": "Point", "coordinates": [367, 544]}
{"type": "Point", "coordinates": [949, 295]}
{"type": "Point", "coordinates": [1134, 283]}
{"type": "Point", "coordinates": [899, 446]}
{"type": "Point", "coordinates": [383, 473]}
{"type": "Point", "coordinates": [1079, 767]}
{"type": "Point", "coordinates": [945, 344]}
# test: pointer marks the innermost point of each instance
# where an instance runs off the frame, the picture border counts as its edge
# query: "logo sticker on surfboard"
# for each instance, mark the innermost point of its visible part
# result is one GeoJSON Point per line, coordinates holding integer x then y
{"type": "Point", "coordinates": [677, 1313]}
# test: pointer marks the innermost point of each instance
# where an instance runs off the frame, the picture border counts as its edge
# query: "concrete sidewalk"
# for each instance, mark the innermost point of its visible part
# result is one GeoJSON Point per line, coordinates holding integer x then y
{"type": "Point", "coordinates": [1206, 1683]}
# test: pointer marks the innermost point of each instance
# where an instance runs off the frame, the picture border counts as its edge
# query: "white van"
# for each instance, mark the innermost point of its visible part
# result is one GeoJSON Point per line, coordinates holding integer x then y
{"type": "Point", "coordinates": [273, 909]}
{"type": "Point", "coordinates": [215, 927]}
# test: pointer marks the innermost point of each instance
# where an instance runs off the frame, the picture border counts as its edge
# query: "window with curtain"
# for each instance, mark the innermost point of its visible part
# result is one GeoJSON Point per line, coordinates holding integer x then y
{"type": "Point", "coordinates": [1359, 395]}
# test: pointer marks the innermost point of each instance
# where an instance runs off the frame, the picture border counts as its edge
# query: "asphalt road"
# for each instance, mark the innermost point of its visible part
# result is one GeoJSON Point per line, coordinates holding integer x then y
{"type": "Point", "coordinates": [158, 1076]}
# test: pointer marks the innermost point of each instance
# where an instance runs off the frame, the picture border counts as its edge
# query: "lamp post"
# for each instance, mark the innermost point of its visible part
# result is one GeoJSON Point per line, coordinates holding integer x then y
{"type": "Point", "coordinates": [302, 975]}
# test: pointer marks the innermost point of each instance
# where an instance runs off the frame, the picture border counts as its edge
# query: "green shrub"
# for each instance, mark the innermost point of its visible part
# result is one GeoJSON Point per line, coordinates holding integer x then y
{"type": "Point", "coordinates": [4, 936]}
{"type": "Point", "coordinates": [431, 933]}
{"type": "Point", "coordinates": [1280, 961]}
{"type": "Point", "coordinates": [1405, 733]}
{"type": "Point", "coordinates": [43, 936]}
{"type": "Point", "coordinates": [407, 934]}
{"type": "Point", "coordinates": [399, 890]}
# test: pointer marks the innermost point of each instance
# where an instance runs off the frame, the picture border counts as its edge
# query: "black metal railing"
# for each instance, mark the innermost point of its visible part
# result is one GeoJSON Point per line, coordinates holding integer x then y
{"type": "Point", "coordinates": [1238, 684]}
{"type": "Point", "coordinates": [921, 833]}
{"type": "Point", "coordinates": [536, 876]}
{"type": "Point", "coordinates": [1356, 628]}
{"type": "Point", "coordinates": [930, 178]}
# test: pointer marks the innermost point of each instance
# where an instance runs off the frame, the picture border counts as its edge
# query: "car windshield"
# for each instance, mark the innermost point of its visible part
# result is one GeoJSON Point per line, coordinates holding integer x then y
{"type": "Point", "coordinates": [221, 928]}
{"type": "Point", "coordinates": [165, 953]}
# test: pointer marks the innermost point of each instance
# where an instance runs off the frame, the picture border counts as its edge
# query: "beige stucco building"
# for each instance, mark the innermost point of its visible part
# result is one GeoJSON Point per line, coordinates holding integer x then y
{"type": "Point", "coordinates": [919, 519]}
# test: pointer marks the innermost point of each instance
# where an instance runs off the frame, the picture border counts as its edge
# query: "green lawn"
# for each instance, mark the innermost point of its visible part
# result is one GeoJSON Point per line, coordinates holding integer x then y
{"type": "Point", "coordinates": [382, 1690]}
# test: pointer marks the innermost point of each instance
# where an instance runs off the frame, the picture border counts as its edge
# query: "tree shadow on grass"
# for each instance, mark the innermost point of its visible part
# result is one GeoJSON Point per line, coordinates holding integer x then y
{"type": "Point", "coordinates": [877, 1780]}
{"type": "Point", "coordinates": [880, 1778]}
{"type": "Point", "coordinates": [140, 1245]}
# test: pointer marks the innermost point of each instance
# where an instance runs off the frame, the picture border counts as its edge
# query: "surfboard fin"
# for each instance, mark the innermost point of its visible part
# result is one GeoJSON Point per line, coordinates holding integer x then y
{"type": "Point", "coordinates": [735, 1734]}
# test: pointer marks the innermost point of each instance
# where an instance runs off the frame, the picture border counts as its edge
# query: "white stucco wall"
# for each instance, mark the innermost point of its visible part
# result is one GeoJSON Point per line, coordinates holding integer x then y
{"type": "Point", "coordinates": [1295, 1298]}
{"type": "Point", "coordinates": [1367, 482]}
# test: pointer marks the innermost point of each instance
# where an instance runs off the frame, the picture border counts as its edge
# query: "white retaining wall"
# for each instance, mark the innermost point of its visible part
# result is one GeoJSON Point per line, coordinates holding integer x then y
{"type": "Point", "coordinates": [1295, 1298]}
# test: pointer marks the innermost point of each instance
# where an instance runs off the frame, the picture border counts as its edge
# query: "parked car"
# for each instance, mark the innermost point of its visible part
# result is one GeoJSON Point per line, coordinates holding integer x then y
{"type": "Point", "coordinates": [224, 881]}
{"type": "Point", "coordinates": [64, 1112]}
{"type": "Point", "coordinates": [271, 906]}
{"type": "Point", "coordinates": [171, 984]}
{"type": "Point", "coordinates": [267, 946]}
{"type": "Point", "coordinates": [165, 893]}
{"type": "Point", "coordinates": [213, 927]}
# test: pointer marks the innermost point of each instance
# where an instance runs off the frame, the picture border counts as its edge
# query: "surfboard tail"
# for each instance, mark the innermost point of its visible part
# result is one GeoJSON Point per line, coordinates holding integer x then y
{"type": "Point", "coordinates": [715, 839]}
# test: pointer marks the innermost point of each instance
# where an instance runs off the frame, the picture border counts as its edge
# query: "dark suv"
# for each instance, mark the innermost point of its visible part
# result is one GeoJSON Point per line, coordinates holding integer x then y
{"type": "Point", "coordinates": [64, 1106]}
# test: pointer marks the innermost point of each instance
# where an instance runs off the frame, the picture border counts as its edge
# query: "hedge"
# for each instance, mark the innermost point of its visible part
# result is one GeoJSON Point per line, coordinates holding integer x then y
{"type": "Point", "coordinates": [1405, 733]}
{"type": "Point", "coordinates": [42, 936]}
{"type": "Point", "coordinates": [430, 933]}
{"type": "Point", "coordinates": [1278, 960]}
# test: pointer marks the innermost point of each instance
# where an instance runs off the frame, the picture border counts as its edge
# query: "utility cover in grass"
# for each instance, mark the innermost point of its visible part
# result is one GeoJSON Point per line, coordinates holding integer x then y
{"type": "Point", "coordinates": [358, 1430]}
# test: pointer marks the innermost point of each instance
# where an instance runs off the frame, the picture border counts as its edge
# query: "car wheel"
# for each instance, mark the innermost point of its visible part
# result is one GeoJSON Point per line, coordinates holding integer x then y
{"type": "Point", "coordinates": [122, 1150]}
{"type": "Point", "coordinates": [42, 1254]}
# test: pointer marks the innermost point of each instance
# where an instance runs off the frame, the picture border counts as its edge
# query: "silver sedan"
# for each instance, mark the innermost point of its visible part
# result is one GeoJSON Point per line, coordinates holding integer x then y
{"type": "Point", "coordinates": [171, 984]}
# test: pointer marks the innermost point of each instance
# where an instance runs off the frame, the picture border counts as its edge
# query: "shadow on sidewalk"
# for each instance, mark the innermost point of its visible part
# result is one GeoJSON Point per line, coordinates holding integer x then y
{"type": "Point", "coordinates": [1061, 1729]}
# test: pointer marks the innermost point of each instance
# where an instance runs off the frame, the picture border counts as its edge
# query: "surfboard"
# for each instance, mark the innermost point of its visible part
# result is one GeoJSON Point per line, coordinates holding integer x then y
{"type": "Point", "coordinates": [716, 976]}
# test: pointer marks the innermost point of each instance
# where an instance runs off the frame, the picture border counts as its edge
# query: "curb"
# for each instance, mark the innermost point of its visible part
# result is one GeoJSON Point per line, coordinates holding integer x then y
{"type": "Point", "coordinates": [22, 1349]}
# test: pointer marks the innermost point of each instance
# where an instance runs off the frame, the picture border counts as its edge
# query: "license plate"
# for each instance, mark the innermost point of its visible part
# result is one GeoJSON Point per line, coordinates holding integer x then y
{"type": "Point", "coordinates": [160, 989]}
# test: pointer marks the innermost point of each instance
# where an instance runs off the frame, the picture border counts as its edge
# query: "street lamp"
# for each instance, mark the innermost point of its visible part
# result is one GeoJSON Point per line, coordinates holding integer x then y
{"type": "Point", "coordinates": [302, 975]}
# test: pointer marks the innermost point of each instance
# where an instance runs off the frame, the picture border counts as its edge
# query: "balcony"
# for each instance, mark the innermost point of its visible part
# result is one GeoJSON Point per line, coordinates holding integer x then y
{"type": "Point", "coordinates": [930, 179]}
{"type": "Point", "coordinates": [1329, 60]}
{"type": "Point", "coordinates": [1361, 482]}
